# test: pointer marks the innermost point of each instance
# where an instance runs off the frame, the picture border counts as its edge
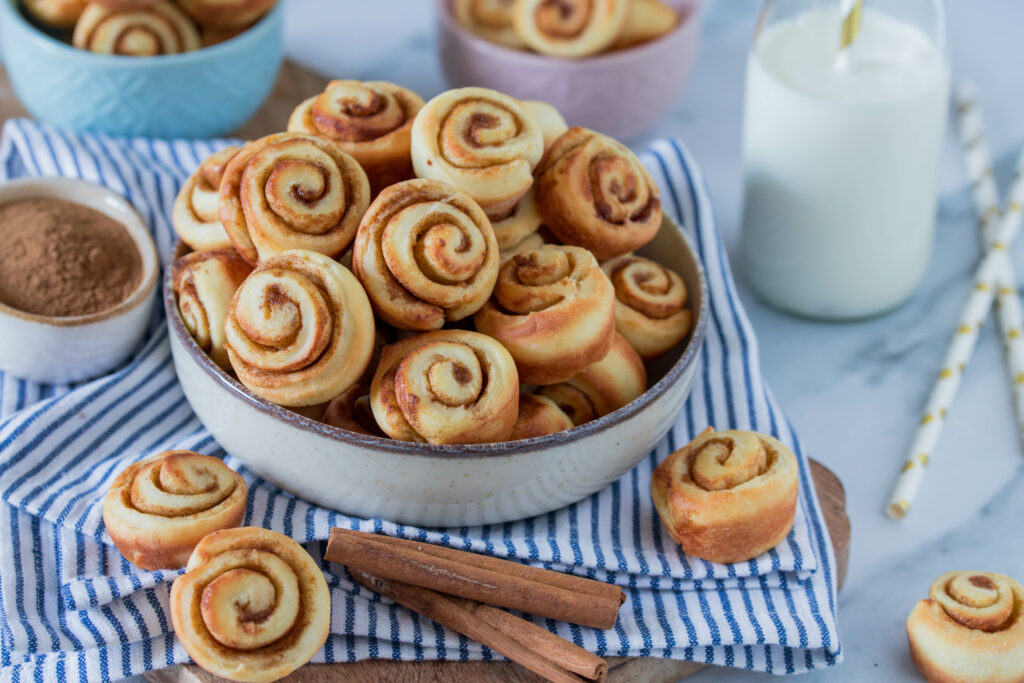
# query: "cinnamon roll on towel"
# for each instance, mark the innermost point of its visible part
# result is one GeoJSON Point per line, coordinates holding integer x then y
{"type": "Point", "coordinates": [204, 283]}
{"type": "Point", "coordinates": [158, 509]}
{"type": "Point", "coordinates": [300, 329]}
{"type": "Point", "coordinates": [371, 120]}
{"type": "Point", "coordinates": [570, 28]}
{"type": "Point", "coordinates": [650, 304]}
{"type": "Point", "coordinates": [252, 605]}
{"type": "Point", "coordinates": [593, 192]}
{"type": "Point", "coordinates": [538, 416]}
{"type": "Point", "coordinates": [196, 214]}
{"type": "Point", "coordinates": [226, 14]}
{"type": "Point", "coordinates": [969, 630]}
{"type": "Point", "coordinates": [554, 310]}
{"type": "Point", "coordinates": [727, 496]}
{"type": "Point", "coordinates": [489, 19]}
{"type": "Point", "coordinates": [159, 29]}
{"type": "Point", "coordinates": [446, 387]}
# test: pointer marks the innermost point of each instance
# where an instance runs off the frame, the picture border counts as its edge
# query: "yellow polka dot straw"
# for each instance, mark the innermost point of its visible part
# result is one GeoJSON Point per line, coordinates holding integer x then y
{"type": "Point", "coordinates": [961, 346]}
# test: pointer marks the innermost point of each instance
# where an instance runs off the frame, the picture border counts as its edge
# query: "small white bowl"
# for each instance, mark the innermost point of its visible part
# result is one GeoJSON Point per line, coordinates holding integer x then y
{"type": "Point", "coordinates": [73, 348]}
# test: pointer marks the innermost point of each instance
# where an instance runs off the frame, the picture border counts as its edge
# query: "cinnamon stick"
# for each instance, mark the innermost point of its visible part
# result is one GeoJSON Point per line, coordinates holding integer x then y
{"type": "Point", "coordinates": [478, 577]}
{"type": "Point", "coordinates": [530, 646]}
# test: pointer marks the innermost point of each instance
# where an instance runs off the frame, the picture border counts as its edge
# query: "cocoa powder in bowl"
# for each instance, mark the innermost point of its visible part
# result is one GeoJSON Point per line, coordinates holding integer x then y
{"type": "Point", "coordinates": [59, 258]}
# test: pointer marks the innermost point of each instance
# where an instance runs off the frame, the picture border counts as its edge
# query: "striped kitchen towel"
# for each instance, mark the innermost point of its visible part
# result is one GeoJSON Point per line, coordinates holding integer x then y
{"type": "Point", "coordinates": [72, 607]}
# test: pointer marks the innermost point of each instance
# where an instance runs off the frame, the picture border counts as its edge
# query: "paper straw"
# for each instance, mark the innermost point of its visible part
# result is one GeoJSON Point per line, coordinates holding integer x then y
{"type": "Point", "coordinates": [961, 346]}
{"type": "Point", "coordinates": [850, 10]}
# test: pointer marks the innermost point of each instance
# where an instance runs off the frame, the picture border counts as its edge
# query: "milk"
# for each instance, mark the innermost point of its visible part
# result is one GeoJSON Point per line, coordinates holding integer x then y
{"type": "Point", "coordinates": [841, 166]}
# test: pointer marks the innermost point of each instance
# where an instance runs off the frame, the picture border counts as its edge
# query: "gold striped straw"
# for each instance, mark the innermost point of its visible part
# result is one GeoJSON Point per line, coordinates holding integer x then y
{"type": "Point", "coordinates": [850, 29]}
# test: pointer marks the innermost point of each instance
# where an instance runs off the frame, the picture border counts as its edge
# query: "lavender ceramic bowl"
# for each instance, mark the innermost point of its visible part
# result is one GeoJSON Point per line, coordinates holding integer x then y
{"type": "Point", "coordinates": [620, 93]}
{"type": "Point", "coordinates": [430, 485]}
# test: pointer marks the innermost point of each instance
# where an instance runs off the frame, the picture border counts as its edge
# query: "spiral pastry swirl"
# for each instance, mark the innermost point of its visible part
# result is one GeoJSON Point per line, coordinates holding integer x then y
{"type": "Point", "coordinates": [650, 304]}
{"type": "Point", "coordinates": [553, 309]}
{"type": "Point", "coordinates": [446, 387]}
{"type": "Point", "coordinates": [538, 416]}
{"type": "Point", "coordinates": [300, 329]}
{"type": "Point", "coordinates": [489, 19]}
{"type": "Point", "coordinates": [593, 192]}
{"type": "Point", "coordinates": [204, 283]}
{"type": "Point", "coordinates": [569, 28]}
{"type": "Point", "coordinates": [196, 214]}
{"type": "Point", "coordinates": [226, 14]}
{"type": "Point", "coordinates": [158, 509]}
{"type": "Point", "coordinates": [292, 191]}
{"type": "Point", "coordinates": [425, 253]}
{"type": "Point", "coordinates": [160, 29]}
{"type": "Point", "coordinates": [971, 628]}
{"type": "Point", "coordinates": [482, 142]}
{"type": "Point", "coordinates": [371, 120]}
{"type": "Point", "coordinates": [727, 496]}
{"type": "Point", "coordinates": [252, 605]}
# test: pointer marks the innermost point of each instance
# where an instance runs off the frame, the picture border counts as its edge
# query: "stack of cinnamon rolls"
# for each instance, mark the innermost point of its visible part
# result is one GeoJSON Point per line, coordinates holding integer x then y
{"type": "Point", "coordinates": [454, 271]}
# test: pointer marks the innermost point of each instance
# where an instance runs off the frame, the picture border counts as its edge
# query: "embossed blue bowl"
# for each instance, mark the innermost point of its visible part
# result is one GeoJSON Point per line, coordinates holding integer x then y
{"type": "Point", "coordinates": [205, 93]}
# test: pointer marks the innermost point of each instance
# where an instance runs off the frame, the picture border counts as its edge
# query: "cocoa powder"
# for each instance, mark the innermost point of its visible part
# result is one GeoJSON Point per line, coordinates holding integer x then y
{"type": "Point", "coordinates": [58, 258]}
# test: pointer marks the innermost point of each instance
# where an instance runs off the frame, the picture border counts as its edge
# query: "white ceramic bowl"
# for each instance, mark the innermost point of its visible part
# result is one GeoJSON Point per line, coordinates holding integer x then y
{"type": "Point", "coordinates": [69, 349]}
{"type": "Point", "coordinates": [444, 485]}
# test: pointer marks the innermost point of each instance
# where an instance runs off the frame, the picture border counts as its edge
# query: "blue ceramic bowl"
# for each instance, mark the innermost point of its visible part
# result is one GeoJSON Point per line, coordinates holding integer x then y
{"type": "Point", "coordinates": [205, 93]}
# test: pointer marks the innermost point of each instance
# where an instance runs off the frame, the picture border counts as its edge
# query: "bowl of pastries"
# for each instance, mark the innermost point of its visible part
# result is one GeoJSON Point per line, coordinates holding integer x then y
{"type": "Point", "coordinates": [154, 68]}
{"type": "Point", "coordinates": [444, 313]}
{"type": "Point", "coordinates": [615, 66]}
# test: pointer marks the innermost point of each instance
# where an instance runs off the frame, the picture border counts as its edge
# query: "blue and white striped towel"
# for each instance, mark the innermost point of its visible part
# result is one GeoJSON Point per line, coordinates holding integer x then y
{"type": "Point", "coordinates": [72, 607]}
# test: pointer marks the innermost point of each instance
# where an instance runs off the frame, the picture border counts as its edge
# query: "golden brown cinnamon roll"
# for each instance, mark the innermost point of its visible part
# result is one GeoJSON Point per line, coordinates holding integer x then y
{"type": "Point", "coordinates": [971, 628]}
{"type": "Point", "coordinates": [650, 304]}
{"type": "Point", "coordinates": [195, 214]}
{"type": "Point", "coordinates": [157, 510]}
{"type": "Point", "coordinates": [523, 221]}
{"type": "Point", "coordinates": [554, 310]}
{"type": "Point", "coordinates": [448, 386]}
{"type": "Point", "coordinates": [204, 283]}
{"type": "Point", "coordinates": [550, 120]}
{"type": "Point", "coordinates": [226, 13]}
{"type": "Point", "coordinates": [292, 191]}
{"type": "Point", "coordinates": [425, 253]}
{"type": "Point", "coordinates": [56, 13]}
{"type": "Point", "coordinates": [593, 192]}
{"type": "Point", "coordinates": [727, 496]}
{"type": "Point", "coordinates": [300, 329]}
{"type": "Point", "coordinates": [529, 243]}
{"type": "Point", "coordinates": [161, 29]}
{"type": "Point", "coordinates": [351, 410]}
{"type": "Point", "coordinates": [538, 416]}
{"type": "Point", "coordinates": [569, 28]}
{"type": "Point", "coordinates": [252, 605]}
{"type": "Point", "coordinates": [370, 120]}
{"type": "Point", "coordinates": [489, 19]}
{"type": "Point", "coordinates": [482, 142]}
{"type": "Point", "coordinates": [646, 20]}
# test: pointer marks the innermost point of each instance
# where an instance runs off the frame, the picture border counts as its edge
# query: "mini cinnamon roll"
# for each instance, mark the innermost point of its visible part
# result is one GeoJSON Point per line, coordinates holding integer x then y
{"type": "Point", "coordinates": [538, 416]}
{"type": "Point", "coordinates": [226, 13]}
{"type": "Point", "coordinates": [550, 120]}
{"type": "Point", "coordinates": [489, 19]}
{"type": "Point", "coordinates": [727, 496]}
{"type": "Point", "coordinates": [482, 142]}
{"type": "Point", "coordinates": [351, 410]}
{"type": "Point", "coordinates": [593, 192]}
{"type": "Point", "coordinates": [646, 20]}
{"type": "Point", "coordinates": [523, 221]}
{"type": "Point", "coordinates": [60, 14]}
{"type": "Point", "coordinates": [371, 120]}
{"type": "Point", "coordinates": [445, 387]}
{"type": "Point", "coordinates": [158, 509]}
{"type": "Point", "coordinates": [292, 191]}
{"type": "Point", "coordinates": [971, 628]}
{"type": "Point", "coordinates": [426, 254]}
{"type": "Point", "coordinates": [569, 28]}
{"type": "Point", "coordinates": [160, 29]}
{"type": "Point", "coordinates": [300, 329]}
{"type": "Point", "coordinates": [252, 605]}
{"type": "Point", "coordinates": [554, 310]}
{"type": "Point", "coordinates": [204, 283]}
{"type": "Point", "coordinates": [650, 304]}
{"type": "Point", "coordinates": [196, 214]}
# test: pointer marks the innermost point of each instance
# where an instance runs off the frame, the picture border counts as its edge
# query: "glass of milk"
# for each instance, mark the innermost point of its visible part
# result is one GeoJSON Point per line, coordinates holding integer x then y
{"type": "Point", "coordinates": [841, 155]}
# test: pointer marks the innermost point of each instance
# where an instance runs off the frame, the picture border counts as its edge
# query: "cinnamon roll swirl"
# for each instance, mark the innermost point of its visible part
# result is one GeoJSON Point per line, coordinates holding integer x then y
{"type": "Point", "coordinates": [727, 496]}
{"type": "Point", "coordinates": [554, 310]}
{"type": "Point", "coordinates": [593, 192]}
{"type": "Point", "coordinates": [300, 329]}
{"type": "Point", "coordinates": [445, 387]}
{"type": "Point", "coordinates": [158, 509]}
{"type": "Point", "coordinates": [650, 304]}
{"type": "Point", "coordinates": [160, 29]}
{"type": "Point", "coordinates": [196, 214]}
{"type": "Point", "coordinates": [569, 28]}
{"type": "Point", "coordinates": [252, 605]}
{"type": "Point", "coordinates": [226, 13]}
{"type": "Point", "coordinates": [489, 19]}
{"type": "Point", "coordinates": [482, 142]}
{"type": "Point", "coordinates": [370, 120]}
{"type": "Point", "coordinates": [425, 253]}
{"type": "Point", "coordinates": [292, 191]}
{"type": "Point", "coordinates": [529, 243]}
{"type": "Point", "coordinates": [204, 283]}
{"type": "Point", "coordinates": [538, 416]}
{"type": "Point", "coordinates": [971, 628]}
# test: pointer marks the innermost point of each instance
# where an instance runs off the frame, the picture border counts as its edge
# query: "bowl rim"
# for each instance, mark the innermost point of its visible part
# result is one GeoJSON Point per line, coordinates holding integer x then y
{"type": "Point", "coordinates": [52, 187]}
{"type": "Point", "coordinates": [686, 359]}
{"type": "Point", "coordinates": [598, 61]}
{"type": "Point", "coordinates": [253, 33]}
